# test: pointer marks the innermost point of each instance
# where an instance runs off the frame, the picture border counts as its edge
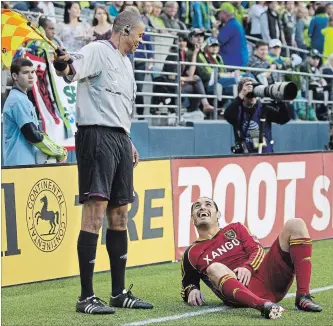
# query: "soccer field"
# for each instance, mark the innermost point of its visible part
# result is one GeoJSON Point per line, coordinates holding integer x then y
{"type": "Point", "coordinates": [53, 303]}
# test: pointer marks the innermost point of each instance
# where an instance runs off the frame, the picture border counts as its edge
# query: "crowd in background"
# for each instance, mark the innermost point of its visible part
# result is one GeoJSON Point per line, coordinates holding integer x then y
{"type": "Point", "coordinates": [212, 32]}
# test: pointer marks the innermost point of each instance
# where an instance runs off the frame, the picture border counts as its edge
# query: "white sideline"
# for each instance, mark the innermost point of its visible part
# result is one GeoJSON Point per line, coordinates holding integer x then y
{"type": "Point", "coordinates": [207, 311]}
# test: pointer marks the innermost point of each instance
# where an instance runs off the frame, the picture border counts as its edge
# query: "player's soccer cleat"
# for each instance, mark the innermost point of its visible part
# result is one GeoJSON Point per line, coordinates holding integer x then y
{"type": "Point", "coordinates": [128, 300]}
{"type": "Point", "coordinates": [305, 303]}
{"type": "Point", "coordinates": [95, 306]}
{"type": "Point", "coordinates": [272, 310]}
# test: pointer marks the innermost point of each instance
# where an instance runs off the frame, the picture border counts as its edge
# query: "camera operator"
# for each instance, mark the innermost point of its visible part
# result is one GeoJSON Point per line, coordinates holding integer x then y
{"type": "Point", "coordinates": [245, 112]}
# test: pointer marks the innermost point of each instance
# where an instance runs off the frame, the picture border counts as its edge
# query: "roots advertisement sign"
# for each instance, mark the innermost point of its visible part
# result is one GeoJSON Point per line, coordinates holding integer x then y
{"type": "Point", "coordinates": [262, 192]}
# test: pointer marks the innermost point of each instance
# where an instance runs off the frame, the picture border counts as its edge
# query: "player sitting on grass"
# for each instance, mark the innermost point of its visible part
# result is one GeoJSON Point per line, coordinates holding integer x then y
{"type": "Point", "coordinates": [233, 264]}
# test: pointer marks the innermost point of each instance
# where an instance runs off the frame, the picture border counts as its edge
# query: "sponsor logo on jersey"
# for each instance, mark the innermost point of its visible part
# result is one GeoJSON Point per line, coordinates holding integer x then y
{"type": "Point", "coordinates": [229, 245]}
{"type": "Point", "coordinates": [230, 234]}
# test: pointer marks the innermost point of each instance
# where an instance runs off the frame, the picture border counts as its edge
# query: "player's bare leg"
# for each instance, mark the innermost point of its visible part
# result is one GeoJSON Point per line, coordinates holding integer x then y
{"type": "Point", "coordinates": [116, 244]}
{"type": "Point", "coordinates": [93, 213]}
{"type": "Point", "coordinates": [234, 291]}
{"type": "Point", "coordinates": [296, 240]}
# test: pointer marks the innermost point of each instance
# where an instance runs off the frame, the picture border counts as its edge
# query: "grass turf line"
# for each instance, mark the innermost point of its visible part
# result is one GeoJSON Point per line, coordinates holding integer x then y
{"type": "Point", "coordinates": [53, 303]}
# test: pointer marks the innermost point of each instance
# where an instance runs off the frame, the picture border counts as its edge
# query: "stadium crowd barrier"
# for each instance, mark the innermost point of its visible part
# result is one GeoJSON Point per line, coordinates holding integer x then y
{"type": "Point", "coordinates": [42, 216]}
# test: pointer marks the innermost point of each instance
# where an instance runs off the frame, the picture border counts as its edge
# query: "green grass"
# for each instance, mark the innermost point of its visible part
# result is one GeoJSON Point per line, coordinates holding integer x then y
{"type": "Point", "coordinates": [53, 302]}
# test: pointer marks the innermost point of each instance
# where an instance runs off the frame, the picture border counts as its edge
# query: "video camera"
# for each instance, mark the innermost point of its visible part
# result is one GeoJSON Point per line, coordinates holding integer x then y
{"type": "Point", "coordinates": [282, 91]}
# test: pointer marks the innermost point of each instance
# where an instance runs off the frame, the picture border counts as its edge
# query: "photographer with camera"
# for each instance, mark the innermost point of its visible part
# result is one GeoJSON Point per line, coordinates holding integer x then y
{"type": "Point", "coordinates": [252, 120]}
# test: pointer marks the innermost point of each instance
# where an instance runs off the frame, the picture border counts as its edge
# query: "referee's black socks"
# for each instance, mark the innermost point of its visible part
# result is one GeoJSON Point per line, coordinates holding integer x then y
{"type": "Point", "coordinates": [116, 245]}
{"type": "Point", "coordinates": [86, 250]}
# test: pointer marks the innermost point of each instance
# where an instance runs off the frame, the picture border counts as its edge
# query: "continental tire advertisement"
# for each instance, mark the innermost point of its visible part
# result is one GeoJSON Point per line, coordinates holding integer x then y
{"type": "Point", "coordinates": [41, 220]}
{"type": "Point", "coordinates": [41, 216]}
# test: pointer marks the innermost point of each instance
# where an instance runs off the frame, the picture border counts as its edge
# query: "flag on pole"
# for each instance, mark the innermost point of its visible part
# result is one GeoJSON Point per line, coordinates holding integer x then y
{"type": "Point", "coordinates": [14, 32]}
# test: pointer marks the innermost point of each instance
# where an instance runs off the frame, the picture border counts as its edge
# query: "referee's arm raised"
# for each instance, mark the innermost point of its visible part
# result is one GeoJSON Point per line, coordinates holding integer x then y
{"type": "Point", "coordinates": [87, 62]}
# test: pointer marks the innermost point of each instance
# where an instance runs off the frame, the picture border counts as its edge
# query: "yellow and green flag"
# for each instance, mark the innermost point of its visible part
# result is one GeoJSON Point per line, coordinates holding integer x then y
{"type": "Point", "coordinates": [14, 32]}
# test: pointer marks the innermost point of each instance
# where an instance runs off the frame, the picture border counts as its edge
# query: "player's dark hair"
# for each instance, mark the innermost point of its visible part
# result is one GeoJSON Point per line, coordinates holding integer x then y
{"type": "Point", "coordinates": [68, 6]}
{"type": "Point", "coordinates": [216, 207]}
{"type": "Point", "coordinates": [18, 64]}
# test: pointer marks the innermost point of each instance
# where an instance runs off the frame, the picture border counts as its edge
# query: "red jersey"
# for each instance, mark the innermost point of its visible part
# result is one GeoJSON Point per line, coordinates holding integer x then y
{"type": "Point", "coordinates": [232, 246]}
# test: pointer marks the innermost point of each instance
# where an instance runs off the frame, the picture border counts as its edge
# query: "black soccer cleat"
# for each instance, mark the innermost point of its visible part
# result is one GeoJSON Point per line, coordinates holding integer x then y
{"type": "Point", "coordinates": [128, 300]}
{"type": "Point", "coordinates": [272, 310]}
{"type": "Point", "coordinates": [305, 303]}
{"type": "Point", "coordinates": [95, 306]}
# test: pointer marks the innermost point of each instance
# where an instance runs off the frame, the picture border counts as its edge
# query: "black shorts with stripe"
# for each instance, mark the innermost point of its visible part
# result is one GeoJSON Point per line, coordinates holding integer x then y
{"type": "Point", "coordinates": [105, 164]}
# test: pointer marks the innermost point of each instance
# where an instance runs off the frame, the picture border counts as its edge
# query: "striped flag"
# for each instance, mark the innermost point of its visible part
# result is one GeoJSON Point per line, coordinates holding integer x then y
{"type": "Point", "coordinates": [14, 32]}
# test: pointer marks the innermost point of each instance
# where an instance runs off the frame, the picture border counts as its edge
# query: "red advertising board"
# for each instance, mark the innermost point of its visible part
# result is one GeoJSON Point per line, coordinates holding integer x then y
{"type": "Point", "coordinates": [262, 192]}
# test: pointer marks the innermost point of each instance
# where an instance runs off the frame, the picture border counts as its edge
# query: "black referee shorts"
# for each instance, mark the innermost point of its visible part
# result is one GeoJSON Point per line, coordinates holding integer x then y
{"type": "Point", "coordinates": [105, 164]}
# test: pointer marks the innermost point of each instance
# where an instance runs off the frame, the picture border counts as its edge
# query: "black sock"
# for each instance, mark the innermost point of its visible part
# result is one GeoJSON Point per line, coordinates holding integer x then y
{"type": "Point", "coordinates": [86, 250]}
{"type": "Point", "coordinates": [116, 245]}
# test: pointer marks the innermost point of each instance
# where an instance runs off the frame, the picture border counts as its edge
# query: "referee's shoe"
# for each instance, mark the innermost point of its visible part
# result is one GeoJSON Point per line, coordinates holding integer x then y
{"type": "Point", "coordinates": [95, 306]}
{"type": "Point", "coordinates": [128, 300]}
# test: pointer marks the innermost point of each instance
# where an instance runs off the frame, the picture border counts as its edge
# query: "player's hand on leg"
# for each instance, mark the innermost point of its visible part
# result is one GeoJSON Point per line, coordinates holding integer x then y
{"type": "Point", "coordinates": [243, 275]}
{"type": "Point", "coordinates": [135, 156]}
{"type": "Point", "coordinates": [195, 298]}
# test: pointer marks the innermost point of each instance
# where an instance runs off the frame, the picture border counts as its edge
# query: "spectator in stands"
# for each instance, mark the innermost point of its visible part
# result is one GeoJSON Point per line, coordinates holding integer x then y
{"type": "Point", "coordinates": [259, 59]}
{"type": "Point", "coordinates": [233, 46]}
{"type": "Point", "coordinates": [244, 114]}
{"type": "Point", "coordinates": [190, 82]}
{"type": "Point", "coordinates": [198, 15]}
{"type": "Point", "coordinates": [270, 24]}
{"type": "Point", "coordinates": [300, 26]}
{"type": "Point", "coordinates": [47, 8]}
{"type": "Point", "coordinates": [318, 23]}
{"type": "Point", "coordinates": [255, 13]}
{"type": "Point", "coordinates": [288, 23]}
{"type": "Point", "coordinates": [41, 48]}
{"type": "Point", "coordinates": [225, 79]}
{"type": "Point", "coordinates": [283, 63]}
{"type": "Point", "coordinates": [114, 8]}
{"type": "Point", "coordinates": [274, 57]}
{"type": "Point", "coordinates": [142, 65]}
{"type": "Point", "coordinates": [169, 16]}
{"type": "Point", "coordinates": [328, 38]}
{"type": "Point", "coordinates": [23, 142]}
{"type": "Point", "coordinates": [329, 9]}
{"type": "Point", "coordinates": [101, 23]}
{"type": "Point", "coordinates": [317, 85]}
{"type": "Point", "coordinates": [328, 70]}
{"type": "Point", "coordinates": [190, 75]}
{"type": "Point", "coordinates": [73, 32]}
{"type": "Point", "coordinates": [27, 6]}
{"type": "Point", "coordinates": [241, 14]}
{"type": "Point", "coordinates": [155, 17]}
{"type": "Point", "coordinates": [147, 9]}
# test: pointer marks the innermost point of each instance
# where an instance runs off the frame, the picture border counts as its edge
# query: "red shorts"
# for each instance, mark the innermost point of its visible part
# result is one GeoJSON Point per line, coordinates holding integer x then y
{"type": "Point", "coordinates": [275, 275]}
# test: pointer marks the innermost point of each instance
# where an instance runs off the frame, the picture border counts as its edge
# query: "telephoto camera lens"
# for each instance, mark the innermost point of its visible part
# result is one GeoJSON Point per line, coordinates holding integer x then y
{"type": "Point", "coordinates": [284, 91]}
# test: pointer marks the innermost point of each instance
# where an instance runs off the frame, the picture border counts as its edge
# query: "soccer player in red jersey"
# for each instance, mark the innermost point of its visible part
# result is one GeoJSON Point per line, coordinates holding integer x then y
{"type": "Point", "coordinates": [233, 264]}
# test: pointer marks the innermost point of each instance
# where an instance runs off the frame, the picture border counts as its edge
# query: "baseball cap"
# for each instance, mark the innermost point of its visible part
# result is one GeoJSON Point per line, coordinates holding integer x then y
{"type": "Point", "coordinates": [227, 7]}
{"type": "Point", "coordinates": [314, 53]}
{"type": "Point", "coordinates": [212, 41]}
{"type": "Point", "coordinates": [274, 43]}
{"type": "Point", "coordinates": [196, 31]}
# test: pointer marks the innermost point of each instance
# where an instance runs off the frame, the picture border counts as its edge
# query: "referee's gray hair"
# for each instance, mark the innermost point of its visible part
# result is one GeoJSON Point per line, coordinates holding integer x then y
{"type": "Point", "coordinates": [126, 18]}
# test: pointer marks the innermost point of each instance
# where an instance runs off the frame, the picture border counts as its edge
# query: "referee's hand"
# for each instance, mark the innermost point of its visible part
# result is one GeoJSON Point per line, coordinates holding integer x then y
{"type": "Point", "coordinates": [135, 156]}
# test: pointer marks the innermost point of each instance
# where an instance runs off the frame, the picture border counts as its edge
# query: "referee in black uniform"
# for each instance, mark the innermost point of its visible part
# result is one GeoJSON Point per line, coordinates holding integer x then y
{"type": "Point", "coordinates": [105, 155]}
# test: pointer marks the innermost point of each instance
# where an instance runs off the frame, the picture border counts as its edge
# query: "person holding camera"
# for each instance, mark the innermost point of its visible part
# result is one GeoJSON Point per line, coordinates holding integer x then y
{"type": "Point", "coordinates": [252, 120]}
